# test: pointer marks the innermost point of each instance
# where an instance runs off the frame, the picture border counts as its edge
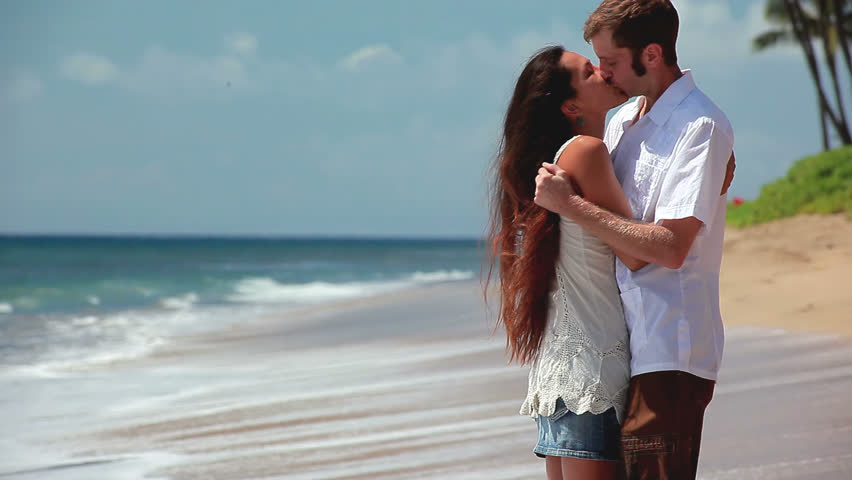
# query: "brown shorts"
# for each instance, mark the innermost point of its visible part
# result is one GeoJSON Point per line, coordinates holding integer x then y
{"type": "Point", "coordinates": [661, 433]}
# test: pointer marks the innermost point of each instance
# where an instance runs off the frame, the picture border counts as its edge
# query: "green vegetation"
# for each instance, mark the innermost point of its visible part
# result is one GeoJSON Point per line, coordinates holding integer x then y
{"type": "Point", "coordinates": [818, 184]}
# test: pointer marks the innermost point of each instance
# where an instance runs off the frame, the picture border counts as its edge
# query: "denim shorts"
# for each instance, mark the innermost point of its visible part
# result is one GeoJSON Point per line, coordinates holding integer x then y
{"type": "Point", "coordinates": [587, 436]}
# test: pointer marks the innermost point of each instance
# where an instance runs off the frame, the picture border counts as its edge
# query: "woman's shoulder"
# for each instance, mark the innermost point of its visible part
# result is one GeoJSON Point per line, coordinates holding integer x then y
{"type": "Point", "coordinates": [583, 150]}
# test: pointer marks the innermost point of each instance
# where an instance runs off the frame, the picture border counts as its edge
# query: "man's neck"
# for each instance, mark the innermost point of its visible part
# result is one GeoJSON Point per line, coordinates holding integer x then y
{"type": "Point", "coordinates": [658, 87]}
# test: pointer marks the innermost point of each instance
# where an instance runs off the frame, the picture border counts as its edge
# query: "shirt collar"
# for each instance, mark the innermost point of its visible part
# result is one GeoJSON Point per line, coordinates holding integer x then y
{"type": "Point", "coordinates": [630, 113]}
{"type": "Point", "coordinates": [671, 98]}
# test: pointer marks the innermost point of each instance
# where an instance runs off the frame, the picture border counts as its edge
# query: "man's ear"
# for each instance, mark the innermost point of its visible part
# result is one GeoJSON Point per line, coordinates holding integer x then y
{"type": "Point", "coordinates": [653, 55]}
{"type": "Point", "coordinates": [570, 109]}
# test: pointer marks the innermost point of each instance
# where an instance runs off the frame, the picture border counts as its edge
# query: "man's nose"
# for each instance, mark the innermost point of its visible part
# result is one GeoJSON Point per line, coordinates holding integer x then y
{"type": "Point", "coordinates": [606, 74]}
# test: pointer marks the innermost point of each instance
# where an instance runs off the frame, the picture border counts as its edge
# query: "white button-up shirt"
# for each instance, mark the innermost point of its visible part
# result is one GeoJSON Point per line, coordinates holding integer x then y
{"type": "Point", "coordinates": [671, 164]}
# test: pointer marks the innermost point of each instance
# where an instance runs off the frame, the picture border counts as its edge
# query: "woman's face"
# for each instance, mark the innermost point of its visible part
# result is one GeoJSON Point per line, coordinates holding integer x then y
{"type": "Point", "coordinates": [594, 94]}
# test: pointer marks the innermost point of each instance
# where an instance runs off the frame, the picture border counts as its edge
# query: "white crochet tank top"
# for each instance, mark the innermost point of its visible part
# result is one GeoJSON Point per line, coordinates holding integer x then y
{"type": "Point", "coordinates": [584, 357]}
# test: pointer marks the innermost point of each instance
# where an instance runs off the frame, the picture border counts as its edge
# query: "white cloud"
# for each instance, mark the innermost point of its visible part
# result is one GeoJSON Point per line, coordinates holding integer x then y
{"type": "Point", "coordinates": [712, 39]}
{"type": "Point", "coordinates": [369, 55]}
{"type": "Point", "coordinates": [88, 68]}
{"type": "Point", "coordinates": [492, 65]}
{"type": "Point", "coordinates": [241, 43]}
{"type": "Point", "coordinates": [709, 31]}
{"type": "Point", "coordinates": [22, 86]}
{"type": "Point", "coordinates": [162, 73]}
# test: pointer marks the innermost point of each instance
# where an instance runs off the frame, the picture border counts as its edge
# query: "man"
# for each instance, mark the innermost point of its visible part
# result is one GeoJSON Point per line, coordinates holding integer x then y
{"type": "Point", "coordinates": [670, 148]}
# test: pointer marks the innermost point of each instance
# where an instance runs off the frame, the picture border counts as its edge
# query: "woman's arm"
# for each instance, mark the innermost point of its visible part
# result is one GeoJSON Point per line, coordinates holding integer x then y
{"type": "Point", "coordinates": [588, 163]}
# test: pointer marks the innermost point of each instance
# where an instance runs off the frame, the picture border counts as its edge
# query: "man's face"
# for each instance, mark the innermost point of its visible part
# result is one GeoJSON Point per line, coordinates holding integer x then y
{"type": "Point", "coordinates": [616, 64]}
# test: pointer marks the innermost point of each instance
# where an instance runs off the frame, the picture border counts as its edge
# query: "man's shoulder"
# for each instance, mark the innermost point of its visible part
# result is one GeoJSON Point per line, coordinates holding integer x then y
{"type": "Point", "coordinates": [697, 108]}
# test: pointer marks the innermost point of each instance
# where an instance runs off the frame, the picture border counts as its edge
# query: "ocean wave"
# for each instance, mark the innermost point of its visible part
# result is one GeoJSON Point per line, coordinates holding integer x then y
{"type": "Point", "coordinates": [83, 360]}
{"type": "Point", "coordinates": [267, 290]}
{"type": "Point", "coordinates": [26, 302]}
{"type": "Point", "coordinates": [84, 321]}
{"type": "Point", "coordinates": [68, 343]}
{"type": "Point", "coordinates": [183, 302]}
{"type": "Point", "coordinates": [441, 276]}
{"type": "Point", "coordinates": [81, 342]}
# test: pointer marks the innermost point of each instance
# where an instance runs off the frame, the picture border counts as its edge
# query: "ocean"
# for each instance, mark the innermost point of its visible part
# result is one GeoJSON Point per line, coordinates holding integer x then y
{"type": "Point", "coordinates": [104, 338]}
{"type": "Point", "coordinates": [69, 302]}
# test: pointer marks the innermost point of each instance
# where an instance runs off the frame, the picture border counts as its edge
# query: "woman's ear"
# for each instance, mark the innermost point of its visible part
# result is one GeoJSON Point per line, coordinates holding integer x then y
{"type": "Point", "coordinates": [570, 109]}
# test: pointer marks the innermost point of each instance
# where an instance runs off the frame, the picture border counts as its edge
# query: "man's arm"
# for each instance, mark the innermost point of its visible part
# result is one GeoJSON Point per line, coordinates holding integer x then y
{"type": "Point", "coordinates": [689, 195]}
{"type": "Point", "coordinates": [679, 228]}
{"type": "Point", "coordinates": [666, 244]}
{"type": "Point", "coordinates": [587, 162]}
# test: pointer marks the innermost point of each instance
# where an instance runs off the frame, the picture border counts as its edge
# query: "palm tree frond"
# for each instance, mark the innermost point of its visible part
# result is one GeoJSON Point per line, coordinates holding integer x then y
{"type": "Point", "coordinates": [772, 38]}
{"type": "Point", "coordinates": [776, 12]}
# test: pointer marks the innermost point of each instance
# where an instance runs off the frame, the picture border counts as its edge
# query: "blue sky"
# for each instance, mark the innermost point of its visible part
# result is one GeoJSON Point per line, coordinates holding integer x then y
{"type": "Point", "coordinates": [377, 118]}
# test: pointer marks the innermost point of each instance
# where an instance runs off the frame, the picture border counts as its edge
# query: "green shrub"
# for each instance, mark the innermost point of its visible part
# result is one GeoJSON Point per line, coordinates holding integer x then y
{"type": "Point", "coordinates": [820, 184]}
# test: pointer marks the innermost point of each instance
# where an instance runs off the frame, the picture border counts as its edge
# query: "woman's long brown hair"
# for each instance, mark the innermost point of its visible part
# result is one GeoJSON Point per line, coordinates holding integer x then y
{"type": "Point", "coordinates": [524, 237]}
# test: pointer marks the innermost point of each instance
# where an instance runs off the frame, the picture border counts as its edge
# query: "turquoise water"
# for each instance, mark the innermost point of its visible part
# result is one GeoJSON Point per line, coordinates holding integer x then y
{"type": "Point", "coordinates": [78, 274]}
{"type": "Point", "coordinates": [67, 298]}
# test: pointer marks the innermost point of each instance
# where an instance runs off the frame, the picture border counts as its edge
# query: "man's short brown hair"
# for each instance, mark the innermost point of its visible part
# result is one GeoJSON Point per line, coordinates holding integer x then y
{"type": "Point", "coordinates": [635, 24]}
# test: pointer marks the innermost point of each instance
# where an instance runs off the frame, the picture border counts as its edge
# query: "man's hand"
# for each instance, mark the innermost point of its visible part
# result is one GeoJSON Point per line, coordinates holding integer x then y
{"type": "Point", "coordinates": [729, 174]}
{"type": "Point", "coordinates": [553, 189]}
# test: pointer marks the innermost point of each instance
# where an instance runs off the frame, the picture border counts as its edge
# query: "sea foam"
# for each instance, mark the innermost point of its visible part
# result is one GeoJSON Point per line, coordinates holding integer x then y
{"type": "Point", "coordinates": [81, 342]}
{"type": "Point", "coordinates": [182, 302]}
{"type": "Point", "coordinates": [267, 290]}
{"type": "Point", "coordinates": [441, 276]}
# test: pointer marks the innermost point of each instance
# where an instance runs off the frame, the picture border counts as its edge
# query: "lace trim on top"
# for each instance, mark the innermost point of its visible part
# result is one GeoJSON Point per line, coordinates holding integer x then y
{"type": "Point", "coordinates": [570, 366]}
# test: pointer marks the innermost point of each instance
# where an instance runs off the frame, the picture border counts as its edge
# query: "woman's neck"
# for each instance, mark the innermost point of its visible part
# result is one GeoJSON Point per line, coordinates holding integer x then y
{"type": "Point", "coordinates": [591, 125]}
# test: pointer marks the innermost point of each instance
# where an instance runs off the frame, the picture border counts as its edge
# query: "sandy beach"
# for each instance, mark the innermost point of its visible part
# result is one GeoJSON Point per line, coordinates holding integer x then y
{"type": "Point", "coordinates": [414, 385]}
{"type": "Point", "coordinates": [790, 274]}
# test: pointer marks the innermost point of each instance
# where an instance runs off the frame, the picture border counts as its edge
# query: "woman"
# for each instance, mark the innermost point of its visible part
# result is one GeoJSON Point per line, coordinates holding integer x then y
{"type": "Point", "coordinates": [560, 304]}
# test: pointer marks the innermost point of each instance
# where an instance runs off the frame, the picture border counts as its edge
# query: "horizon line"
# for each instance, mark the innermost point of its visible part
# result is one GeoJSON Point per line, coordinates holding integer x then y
{"type": "Point", "coordinates": [233, 236]}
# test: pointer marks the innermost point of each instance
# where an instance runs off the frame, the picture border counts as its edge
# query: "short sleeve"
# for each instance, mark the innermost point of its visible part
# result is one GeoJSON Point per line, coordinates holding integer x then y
{"type": "Point", "coordinates": [692, 184]}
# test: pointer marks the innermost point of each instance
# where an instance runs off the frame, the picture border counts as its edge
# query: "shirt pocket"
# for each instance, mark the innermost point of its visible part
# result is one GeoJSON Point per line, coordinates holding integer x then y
{"type": "Point", "coordinates": [648, 172]}
{"type": "Point", "coordinates": [649, 169]}
{"type": "Point", "coordinates": [634, 315]}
